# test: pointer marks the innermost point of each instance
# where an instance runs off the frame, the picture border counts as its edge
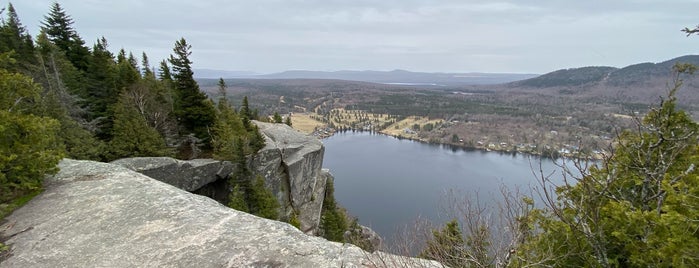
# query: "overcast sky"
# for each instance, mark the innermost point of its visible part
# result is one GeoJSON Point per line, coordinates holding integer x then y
{"type": "Point", "coordinates": [522, 36]}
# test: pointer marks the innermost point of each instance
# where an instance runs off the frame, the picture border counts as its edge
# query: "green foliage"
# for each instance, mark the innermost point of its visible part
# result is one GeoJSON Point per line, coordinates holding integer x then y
{"type": "Point", "coordinates": [294, 220]}
{"type": "Point", "coordinates": [277, 118]}
{"type": "Point", "coordinates": [227, 128]}
{"type": "Point", "coordinates": [192, 108]}
{"type": "Point", "coordinates": [132, 136]}
{"type": "Point", "coordinates": [14, 37]}
{"type": "Point", "coordinates": [237, 199]}
{"type": "Point", "coordinates": [29, 144]}
{"type": "Point", "coordinates": [333, 222]}
{"type": "Point", "coordinates": [446, 246]}
{"type": "Point", "coordinates": [262, 202]}
{"type": "Point", "coordinates": [58, 26]}
{"type": "Point", "coordinates": [253, 197]}
{"type": "Point", "coordinates": [287, 121]}
{"type": "Point", "coordinates": [639, 208]}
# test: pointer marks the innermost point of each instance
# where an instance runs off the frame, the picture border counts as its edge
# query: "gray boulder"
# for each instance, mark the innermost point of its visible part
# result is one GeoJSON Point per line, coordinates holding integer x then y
{"type": "Point", "coordinates": [187, 175]}
{"type": "Point", "coordinates": [103, 215]}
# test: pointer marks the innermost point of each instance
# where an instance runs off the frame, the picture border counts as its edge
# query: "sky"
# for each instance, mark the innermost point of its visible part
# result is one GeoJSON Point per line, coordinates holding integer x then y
{"type": "Point", "coordinates": [509, 36]}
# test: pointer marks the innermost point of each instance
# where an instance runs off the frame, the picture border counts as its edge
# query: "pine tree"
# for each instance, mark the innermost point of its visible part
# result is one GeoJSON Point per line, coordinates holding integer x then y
{"type": "Point", "coordinates": [192, 109]}
{"type": "Point", "coordinates": [288, 120]}
{"type": "Point", "coordinates": [59, 28]}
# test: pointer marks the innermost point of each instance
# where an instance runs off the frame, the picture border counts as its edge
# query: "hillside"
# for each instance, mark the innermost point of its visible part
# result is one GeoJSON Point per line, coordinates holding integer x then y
{"type": "Point", "coordinates": [641, 83]}
{"type": "Point", "coordinates": [609, 76]}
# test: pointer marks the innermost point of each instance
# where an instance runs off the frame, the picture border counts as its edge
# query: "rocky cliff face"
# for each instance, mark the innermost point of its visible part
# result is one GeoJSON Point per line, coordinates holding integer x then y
{"type": "Point", "coordinates": [103, 215]}
{"type": "Point", "coordinates": [290, 162]}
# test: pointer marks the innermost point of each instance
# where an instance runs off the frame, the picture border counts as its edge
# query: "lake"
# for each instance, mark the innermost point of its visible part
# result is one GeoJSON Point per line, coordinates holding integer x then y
{"type": "Point", "coordinates": [387, 183]}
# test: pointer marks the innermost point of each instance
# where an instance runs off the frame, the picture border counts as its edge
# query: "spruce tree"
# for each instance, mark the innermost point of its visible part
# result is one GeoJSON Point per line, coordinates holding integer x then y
{"type": "Point", "coordinates": [59, 28]}
{"type": "Point", "coordinates": [102, 91]}
{"type": "Point", "coordinates": [194, 112]}
{"type": "Point", "coordinates": [14, 37]}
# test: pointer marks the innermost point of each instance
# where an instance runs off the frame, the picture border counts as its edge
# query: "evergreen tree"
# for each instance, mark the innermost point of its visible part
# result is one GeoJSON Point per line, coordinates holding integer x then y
{"type": "Point", "coordinates": [636, 209]}
{"type": "Point", "coordinates": [58, 103]}
{"type": "Point", "coordinates": [277, 118]}
{"type": "Point", "coordinates": [29, 144]}
{"type": "Point", "coordinates": [59, 28]}
{"type": "Point", "coordinates": [146, 68]}
{"type": "Point", "coordinates": [127, 70]}
{"type": "Point", "coordinates": [192, 109]}
{"type": "Point", "coordinates": [222, 89]}
{"type": "Point", "coordinates": [246, 113]}
{"type": "Point", "coordinates": [226, 130]}
{"type": "Point", "coordinates": [132, 136]}
{"type": "Point", "coordinates": [288, 120]}
{"type": "Point", "coordinates": [333, 222]}
{"type": "Point", "coordinates": [164, 71]}
{"type": "Point", "coordinates": [102, 90]}
{"type": "Point", "coordinates": [14, 37]}
{"type": "Point", "coordinates": [237, 199]}
{"type": "Point", "coordinates": [262, 201]}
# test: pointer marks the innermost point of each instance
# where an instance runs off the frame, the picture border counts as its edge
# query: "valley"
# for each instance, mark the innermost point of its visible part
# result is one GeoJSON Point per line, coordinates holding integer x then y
{"type": "Point", "coordinates": [572, 112]}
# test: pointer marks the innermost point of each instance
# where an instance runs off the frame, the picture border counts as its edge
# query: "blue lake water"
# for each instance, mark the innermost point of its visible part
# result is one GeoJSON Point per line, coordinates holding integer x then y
{"type": "Point", "coordinates": [387, 183]}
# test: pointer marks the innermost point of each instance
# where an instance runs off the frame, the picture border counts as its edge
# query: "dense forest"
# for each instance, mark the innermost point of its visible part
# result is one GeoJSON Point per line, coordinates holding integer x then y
{"type": "Point", "coordinates": [60, 98]}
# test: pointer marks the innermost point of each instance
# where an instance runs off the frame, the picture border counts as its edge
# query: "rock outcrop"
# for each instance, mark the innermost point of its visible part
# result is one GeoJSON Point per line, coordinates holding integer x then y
{"type": "Point", "coordinates": [187, 175]}
{"type": "Point", "coordinates": [103, 215]}
{"type": "Point", "coordinates": [290, 163]}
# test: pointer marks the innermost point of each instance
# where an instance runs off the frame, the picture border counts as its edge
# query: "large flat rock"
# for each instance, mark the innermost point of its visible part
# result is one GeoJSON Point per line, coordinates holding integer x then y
{"type": "Point", "coordinates": [103, 215]}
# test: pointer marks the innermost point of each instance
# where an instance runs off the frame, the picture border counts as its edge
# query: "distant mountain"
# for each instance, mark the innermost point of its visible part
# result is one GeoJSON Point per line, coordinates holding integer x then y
{"type": "Point", "coordinates": [642, 73]}
{"type": "Point", "coordinates": [215, 74]}
{"type": "Point", "coordinates": [402, 77]}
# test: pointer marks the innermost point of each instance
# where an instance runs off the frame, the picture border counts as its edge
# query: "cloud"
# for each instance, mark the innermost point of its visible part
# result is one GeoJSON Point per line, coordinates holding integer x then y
{"type": "Point", "coordinates": [447, 35]}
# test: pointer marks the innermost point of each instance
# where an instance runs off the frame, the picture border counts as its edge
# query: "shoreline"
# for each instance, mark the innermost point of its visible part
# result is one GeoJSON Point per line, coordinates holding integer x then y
{"type": "Point", "coordinates": [328, 134]}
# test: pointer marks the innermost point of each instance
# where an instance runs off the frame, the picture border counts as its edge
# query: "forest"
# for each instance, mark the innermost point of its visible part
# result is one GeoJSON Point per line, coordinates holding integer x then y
{"type": "Point", "coordinates": [61, 98]}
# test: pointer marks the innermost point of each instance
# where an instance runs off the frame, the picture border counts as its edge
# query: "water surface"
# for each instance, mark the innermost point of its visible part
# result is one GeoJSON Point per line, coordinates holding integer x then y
{"type": "Point", "coordinates": [388, 183]}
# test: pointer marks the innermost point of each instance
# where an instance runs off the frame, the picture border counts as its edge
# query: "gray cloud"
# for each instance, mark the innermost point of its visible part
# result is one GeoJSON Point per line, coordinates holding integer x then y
{"type": "Point", "coordinates": [422, 35]}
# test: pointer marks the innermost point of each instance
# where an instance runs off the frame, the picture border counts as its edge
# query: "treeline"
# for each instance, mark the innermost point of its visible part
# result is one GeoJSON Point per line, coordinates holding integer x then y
{"type": "Point", "coordinates": [60, 98]}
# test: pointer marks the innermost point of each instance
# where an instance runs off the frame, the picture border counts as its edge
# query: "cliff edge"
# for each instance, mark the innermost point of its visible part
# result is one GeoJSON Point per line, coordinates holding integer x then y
{"type": "Point", "coordinates": [96, 214]}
